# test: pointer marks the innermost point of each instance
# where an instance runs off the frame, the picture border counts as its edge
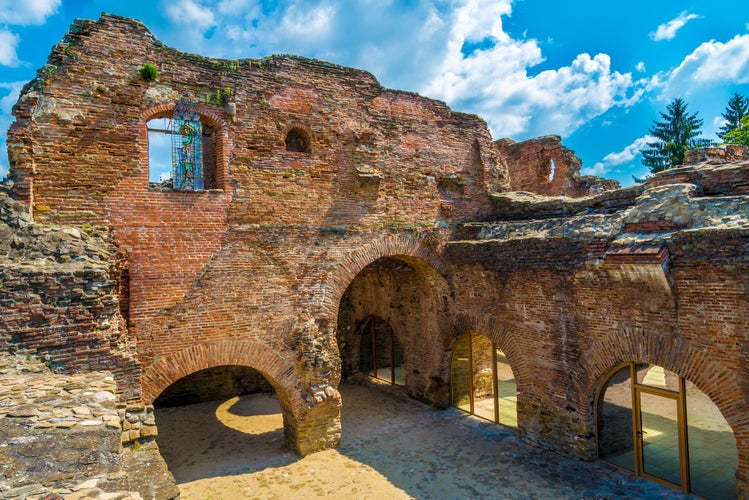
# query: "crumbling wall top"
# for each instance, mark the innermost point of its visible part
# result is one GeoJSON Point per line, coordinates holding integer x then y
{"type": "Point", "coordinates": [543, 165]}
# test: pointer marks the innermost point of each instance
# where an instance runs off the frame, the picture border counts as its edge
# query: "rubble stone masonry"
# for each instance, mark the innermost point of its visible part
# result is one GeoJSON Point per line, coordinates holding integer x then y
{"type": "Point", "coordinates": [331, 199]}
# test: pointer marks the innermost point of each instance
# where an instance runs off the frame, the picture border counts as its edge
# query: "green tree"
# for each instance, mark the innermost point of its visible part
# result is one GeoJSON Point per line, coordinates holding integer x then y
{"type": "Point", "coordinates": [737, 108]}
{"type": "Point", "coordinates": [740, 134]}
{"type": "Point", "coordinates": [675, 135]}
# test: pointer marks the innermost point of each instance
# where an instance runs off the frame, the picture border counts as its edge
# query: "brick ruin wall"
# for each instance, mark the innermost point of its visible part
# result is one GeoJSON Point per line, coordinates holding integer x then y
{"type": "Point", "coordinates": [543, 165]}
{"type": "Point", "coordinates": [401, 209]}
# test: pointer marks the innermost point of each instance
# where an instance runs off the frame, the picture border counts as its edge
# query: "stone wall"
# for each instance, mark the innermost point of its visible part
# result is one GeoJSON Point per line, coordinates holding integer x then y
{"type": "Point", "coordinates": [60, 296]}
{"type": "Point", "coordinates": [63, 435]}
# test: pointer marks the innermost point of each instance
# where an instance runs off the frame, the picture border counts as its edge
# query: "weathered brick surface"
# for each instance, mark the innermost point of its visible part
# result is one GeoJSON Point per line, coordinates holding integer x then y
{"type": "Point", "coordinates": [543, 165]}
{"type": "Point", "coordinates": [400, 209]}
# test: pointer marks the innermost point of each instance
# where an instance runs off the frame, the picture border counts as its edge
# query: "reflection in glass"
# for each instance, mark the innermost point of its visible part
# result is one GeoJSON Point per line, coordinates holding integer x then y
{"type": "Point", "coordinates": [460, 374]}
{"type": "Point", "coordinates": [615, 437]}
{"type": "Point", "coordinates": [383, 349]}
{"type": "Point", "coordinates": [482, 352]}
{"type": "Point", "coordinates": [713, 456]}
{"type": "Point", "coordinates": [482, 382]}
{"type": "Point", "coordinates": [507, 392]}
{"type": "Point", "coordinates": [709, 456]}
{"type": "Point", "coordinates": [660, 437]}
{"type": "Point", "coordinates": [380, 354]}
{"type": "Point", "coordinates": [366, 349]}
{"type": "Point", "coordinates": [656, 376]}
{"type": "Point", "coordinates": [399, 363]}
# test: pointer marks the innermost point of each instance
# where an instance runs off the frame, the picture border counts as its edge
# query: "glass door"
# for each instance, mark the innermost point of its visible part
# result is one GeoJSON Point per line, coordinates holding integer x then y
{"type": "Point", "coordinates": [653, 422]}
{"type": "Point", "coordinates": [658, 434]}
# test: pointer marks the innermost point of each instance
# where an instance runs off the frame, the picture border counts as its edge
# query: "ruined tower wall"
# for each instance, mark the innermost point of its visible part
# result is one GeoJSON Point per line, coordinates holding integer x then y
{"type": "Point", "coordinates": [543, 165]}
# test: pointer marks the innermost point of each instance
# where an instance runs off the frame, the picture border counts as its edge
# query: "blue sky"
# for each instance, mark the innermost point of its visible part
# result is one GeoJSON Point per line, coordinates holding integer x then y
{"type": "Point", "coordinates": [596, 73]}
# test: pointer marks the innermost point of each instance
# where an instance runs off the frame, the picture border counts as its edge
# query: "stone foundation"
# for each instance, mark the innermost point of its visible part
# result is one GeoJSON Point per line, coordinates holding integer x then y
{"type": "Point", "coordinates": [62, 436]}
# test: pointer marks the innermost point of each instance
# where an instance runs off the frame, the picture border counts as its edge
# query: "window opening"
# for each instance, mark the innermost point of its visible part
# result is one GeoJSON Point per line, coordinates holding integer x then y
{"type": "Point", "coordinates": [159, 149]}
{"type": "Point", "coordinates": [481, 380]}
{"type": "Point", "coordinates": [380, 353]}
{"type": "Point", "coordinates": [297, 141]}
{"type": "Point", "coordinates": [659, 425]}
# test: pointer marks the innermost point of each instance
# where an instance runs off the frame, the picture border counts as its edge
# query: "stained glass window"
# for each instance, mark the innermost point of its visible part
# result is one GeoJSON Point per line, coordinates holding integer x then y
{"type": "Point", "coordinates": [187, 147]}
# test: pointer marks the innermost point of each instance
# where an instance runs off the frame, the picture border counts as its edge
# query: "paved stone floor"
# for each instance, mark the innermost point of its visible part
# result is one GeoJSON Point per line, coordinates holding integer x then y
{"type": "Point", "coordinates": [426, 454]}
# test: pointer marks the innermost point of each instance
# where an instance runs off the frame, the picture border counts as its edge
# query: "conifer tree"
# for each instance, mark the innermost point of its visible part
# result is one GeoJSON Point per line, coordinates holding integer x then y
{"type": "Point", "coordinates": [737, 108]}
{"type": "Point", "coordinates": [678, 132]}
{"type": "Point", "coordinates": [740, 134]}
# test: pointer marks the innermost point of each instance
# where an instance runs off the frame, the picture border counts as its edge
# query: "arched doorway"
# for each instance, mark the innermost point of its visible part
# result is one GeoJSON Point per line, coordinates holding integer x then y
{"type": "Point", "coordinates": [481, 380]}
{"type": "Point", "coordinates": [391, 326]}
{"type": "Point", "coordinates": [659, 425]}
{"type": "Point", "coordinates": [380, 352]}
{"type": "Point", "coordinates": [219, 421]}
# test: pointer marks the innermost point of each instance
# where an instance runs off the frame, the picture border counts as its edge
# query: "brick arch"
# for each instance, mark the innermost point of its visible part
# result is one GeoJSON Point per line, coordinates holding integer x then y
{"type": "Point", "coordinates": [208, 115]}
{"type": "Point", "coordinates": [416, 251]}
{"type": "Point", "coordinates": [502, 338]}
{"type": "Point", "coordinates": [672, 353]}
{"type": "Point", "coordinates": [279, 372]}
{"type": "Point", "coordinates": [303, 130]}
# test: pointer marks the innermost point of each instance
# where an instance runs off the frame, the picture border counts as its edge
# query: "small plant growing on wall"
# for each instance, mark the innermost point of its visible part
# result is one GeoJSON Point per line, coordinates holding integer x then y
{"type": "Point", "coordinates": [149, 72]}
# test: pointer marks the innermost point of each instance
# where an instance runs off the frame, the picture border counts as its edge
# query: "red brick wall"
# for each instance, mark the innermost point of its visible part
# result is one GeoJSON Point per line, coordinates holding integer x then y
{"type": "Point", "coordinates": [543, 165]}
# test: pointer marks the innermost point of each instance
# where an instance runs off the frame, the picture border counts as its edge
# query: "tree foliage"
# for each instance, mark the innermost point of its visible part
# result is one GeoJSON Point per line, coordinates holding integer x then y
{"type": "Point", "coordinates": [739, 134]}
{"type": "Point", "coordinates": [736, 110]}
{"type": "Point", "coordinates": [675, 135]}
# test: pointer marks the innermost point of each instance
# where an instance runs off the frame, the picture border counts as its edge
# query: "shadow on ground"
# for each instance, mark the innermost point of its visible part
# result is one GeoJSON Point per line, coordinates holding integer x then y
{"type": "Point", "coordinates": [421, 451]}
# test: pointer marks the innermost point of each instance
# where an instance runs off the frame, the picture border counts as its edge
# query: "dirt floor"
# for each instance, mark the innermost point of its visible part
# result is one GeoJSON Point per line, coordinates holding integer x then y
{"type": "Point", "coordinates": [391, 447]}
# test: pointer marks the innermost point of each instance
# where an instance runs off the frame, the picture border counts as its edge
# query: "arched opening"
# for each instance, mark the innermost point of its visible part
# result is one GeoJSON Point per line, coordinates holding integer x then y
{"type": "Point", "coordinates": [380, 352]}
{"type": "Point", "coordinates": [182, 147]}
{"type": "Point", "coordinates": [390, 326]}
{"type": "Point", "coordinates": [297, 141]}
{"type": "Point", "coordinates": [659, 425]}
{"type": "Point", "coordinates": [481, 380]}
{"type": "Point", "coordinates": [220, 421]}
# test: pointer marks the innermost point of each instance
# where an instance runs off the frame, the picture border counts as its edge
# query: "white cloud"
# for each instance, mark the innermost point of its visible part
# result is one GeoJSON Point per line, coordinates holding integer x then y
{"type": "Point", "coordinates": [7, 102]}
{"type": "Point", "coordinates": [640, 67]}
{"type": "Point", "coordinates": [668, 30]}
{"type": "Point", "coordinates": [27, 12]}
{"type": "Point", "coordinates": [709, 64]}
{"type": "Point", "coordinates": [718, 122]}
{"type": "Point", "coordinates": [8, 44]}
{"type": "Point", "coordinates": [493, 81]}
{"type": "Point", "coordinates": [192, 18]}
{"type": "Point", "coordinates": [190, 12]}
{"type": "Point", "coordinates": [308, 23]}
{"type": "Point", "coordinates": [629, 153]}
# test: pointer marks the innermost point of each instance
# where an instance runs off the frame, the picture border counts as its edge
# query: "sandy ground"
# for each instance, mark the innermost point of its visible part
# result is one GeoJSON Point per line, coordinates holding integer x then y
{"type": "Point", "coordinates": [391, 448]}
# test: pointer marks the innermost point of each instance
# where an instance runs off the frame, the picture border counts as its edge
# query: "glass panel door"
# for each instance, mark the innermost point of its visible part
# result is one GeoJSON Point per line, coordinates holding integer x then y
{"type": "Point", "coordinates": [615, 437]}
{"type": "Point", "coordinates": [460, 375]}
{"type": "Point", "coordinates": [399, 362]}
{"type": "Point", "coordinates": [482, 362]}
{"type": "Point", "coordinates": [659, 436]}
{"type": "Point", "coordinates": [366, 348]}
{"type": "Point", "coordinates": [713, 456]}
{"type": "Point", "coordinates": [507, 392]}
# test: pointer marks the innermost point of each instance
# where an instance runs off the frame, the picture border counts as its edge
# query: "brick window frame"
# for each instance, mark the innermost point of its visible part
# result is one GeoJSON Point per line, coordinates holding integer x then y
{"type": "Point", "coordinates": [297, 139]}
{"type": "Point", "coordinates": [216, 145]}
